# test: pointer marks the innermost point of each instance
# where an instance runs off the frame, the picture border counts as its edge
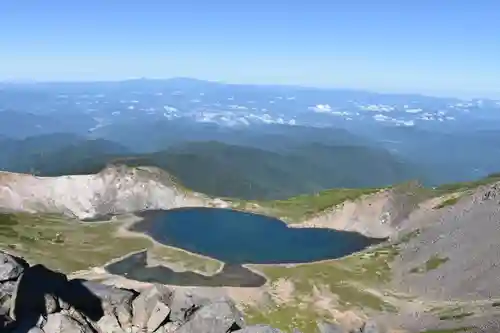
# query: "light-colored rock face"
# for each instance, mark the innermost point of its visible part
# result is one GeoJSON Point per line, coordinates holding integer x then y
{"type": "Point", "coordinates": [115, 190]}
{"type": "Point", "coordinates": [377, 215]}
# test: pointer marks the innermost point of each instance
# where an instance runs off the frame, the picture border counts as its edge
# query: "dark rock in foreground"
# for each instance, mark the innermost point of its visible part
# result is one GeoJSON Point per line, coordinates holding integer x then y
{"type": "Point", "coordinates": [37, 300]}
{"type": "Point", "coordinates": [34, 299]}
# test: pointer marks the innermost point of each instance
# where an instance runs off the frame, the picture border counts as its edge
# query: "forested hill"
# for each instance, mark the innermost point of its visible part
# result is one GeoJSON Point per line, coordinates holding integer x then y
{"type": "Point", "coordinates": [217, 168]}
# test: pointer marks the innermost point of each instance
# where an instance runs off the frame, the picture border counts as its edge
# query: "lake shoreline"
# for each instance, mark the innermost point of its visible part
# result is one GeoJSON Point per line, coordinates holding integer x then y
{"type": "Point", "coordinates": [125, 230]}
{"type": "Point", "coordinates": [235, 237]}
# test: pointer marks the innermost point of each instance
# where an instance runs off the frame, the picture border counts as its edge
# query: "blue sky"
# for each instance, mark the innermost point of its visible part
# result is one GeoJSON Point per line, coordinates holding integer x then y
{"type": "Point", "coordinates": [442, 47]}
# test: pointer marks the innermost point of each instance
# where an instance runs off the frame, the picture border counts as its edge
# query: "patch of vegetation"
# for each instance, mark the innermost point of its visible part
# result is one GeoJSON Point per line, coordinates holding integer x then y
{"type": "Point", "coordinates": [452, 313]}
{"type": "Point", "coordinates": [448, 202]}
{"type": "Point", "coordinates": [450, 330]}
{"type": "Point", "coordinates": [188, 260]}
{"type": "Point", "coordinates": [465, 186]}
{"type": "Point", "coordinates": [416, 270]}
{"type": "Point", "coordinates": [456, 316]}
{"type": "Point", "coordinates": [434, 262]}
{"type": "Point", "coordinates": [345, 278]}
{"type": "Point", "coordinates": [69, 245]}
{"type": "Point", "coordinates": [409, 236]}
{"type": "Point", "coordinates": [431, 264]}
{"type": "Point", "coordinates": [285, 317]}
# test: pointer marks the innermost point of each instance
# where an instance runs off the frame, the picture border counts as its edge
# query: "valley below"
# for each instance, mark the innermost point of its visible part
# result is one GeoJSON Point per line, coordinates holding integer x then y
{"type": "Point", "coordinates": [432, 268]}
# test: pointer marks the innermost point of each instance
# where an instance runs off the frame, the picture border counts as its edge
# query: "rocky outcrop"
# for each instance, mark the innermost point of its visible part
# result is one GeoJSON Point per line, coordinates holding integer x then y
{"type": "Point", "coordinates": [115, 190]}
{"type": "Point", "coordinates": [377, 215]}
{"type": "Point", "coordinates": [45, 301]}
{"type": "Point", "coordinates": [35, 299]}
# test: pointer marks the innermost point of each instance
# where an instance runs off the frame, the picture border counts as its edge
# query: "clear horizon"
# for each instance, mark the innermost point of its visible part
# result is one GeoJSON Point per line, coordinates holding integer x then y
{"type": "Point", "coordinates": [449, 48]}
{"type": "Point", "coordinates": [458, 95]}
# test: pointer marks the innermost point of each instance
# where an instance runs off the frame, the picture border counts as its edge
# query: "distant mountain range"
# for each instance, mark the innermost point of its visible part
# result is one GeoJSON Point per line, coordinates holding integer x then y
{"type": "Point", "coordinates": [439, 140]}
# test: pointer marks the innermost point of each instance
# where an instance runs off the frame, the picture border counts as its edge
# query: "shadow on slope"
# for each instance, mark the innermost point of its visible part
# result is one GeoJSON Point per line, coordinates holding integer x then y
{"type": "Point", "coordinates": [40, 290]}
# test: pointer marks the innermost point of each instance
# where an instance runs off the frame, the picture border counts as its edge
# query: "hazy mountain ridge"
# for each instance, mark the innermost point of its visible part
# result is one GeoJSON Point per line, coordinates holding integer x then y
{"type": "Point", "coordinates": [288, 167]}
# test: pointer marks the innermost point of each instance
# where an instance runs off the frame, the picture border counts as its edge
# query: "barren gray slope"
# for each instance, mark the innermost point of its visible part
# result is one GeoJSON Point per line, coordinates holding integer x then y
{"type": "Point", "coordinates": [467, 237]}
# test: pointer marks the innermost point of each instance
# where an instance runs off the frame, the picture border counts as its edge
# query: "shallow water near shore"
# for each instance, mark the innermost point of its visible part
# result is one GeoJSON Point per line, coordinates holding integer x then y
{"type": "Point", "coordinates": [135, 267]}
{"type": "Point", "coordinates": [236, 237]}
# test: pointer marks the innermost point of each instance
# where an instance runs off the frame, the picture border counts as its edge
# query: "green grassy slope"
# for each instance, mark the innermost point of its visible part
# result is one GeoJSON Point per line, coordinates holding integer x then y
{"type": "Point", "coordinates": [68, 245]}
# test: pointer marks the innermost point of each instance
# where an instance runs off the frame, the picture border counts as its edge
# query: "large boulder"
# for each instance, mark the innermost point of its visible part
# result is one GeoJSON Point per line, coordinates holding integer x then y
{"type": "Point", "coordinates": [10, 267]}
{"type": "Point", "coordinates": [184, 303]}
{"type": "Point", "coordinates": [150, 308]}
{"type": "Point", "coordinates": [61, 323]}
{"type": "Point", "coordinates": [109, 324]}
{"type": "Point", "coordinates": [217, 317]}
{"type": "Point", "coordinates": [114, 301]}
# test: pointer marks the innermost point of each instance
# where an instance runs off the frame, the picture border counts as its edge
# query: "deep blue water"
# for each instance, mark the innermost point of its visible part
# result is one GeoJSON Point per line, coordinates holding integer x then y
{"type": "Point", "coordinates": [237, 238]}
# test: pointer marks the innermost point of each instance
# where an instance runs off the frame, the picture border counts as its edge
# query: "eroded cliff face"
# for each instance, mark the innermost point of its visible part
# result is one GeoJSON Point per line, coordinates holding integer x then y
{"type": "Point", "coordinates": [378, 215]}
{"type": "Point", "coordinates": [114, 190]}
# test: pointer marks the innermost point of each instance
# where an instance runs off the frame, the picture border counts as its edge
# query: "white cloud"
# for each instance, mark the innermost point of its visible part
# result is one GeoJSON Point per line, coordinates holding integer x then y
{"type": "Point", "coordinates": [398, 122]}
{"type": "Point", "coordinates": [381, 117]}
{"type": "Point", "coordinates": [170, 109]}
{"type": "Point", "coordinates": [237, 107]}
{"type": "Point", "coordinates": [321, 108]}
{"type": "Point", "coordinates": [414, 110]}
{"type": "Point", "coordinates": [376, 107]}
{"type": "Point", "coordinates": [340, 113]}
{"type": "Point", "coordinates": [407, 123]}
